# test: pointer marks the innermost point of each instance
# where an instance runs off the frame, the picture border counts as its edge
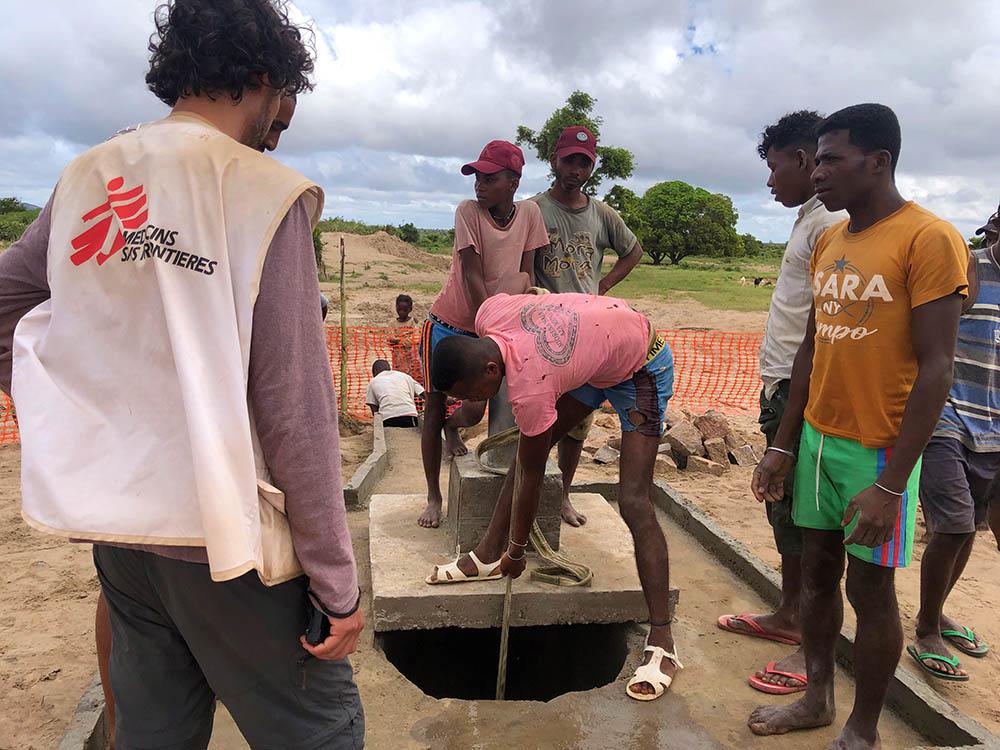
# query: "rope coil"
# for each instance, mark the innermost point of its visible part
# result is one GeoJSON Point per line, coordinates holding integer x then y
{"type": "Point", "coordinates": [560, 571]}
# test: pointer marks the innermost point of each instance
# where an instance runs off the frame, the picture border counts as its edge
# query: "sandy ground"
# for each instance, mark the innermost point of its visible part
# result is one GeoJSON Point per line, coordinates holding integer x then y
{"type": "Point", "coordinates": [49, 591]}
{"type": "Point", "coordinates": [701, 711]}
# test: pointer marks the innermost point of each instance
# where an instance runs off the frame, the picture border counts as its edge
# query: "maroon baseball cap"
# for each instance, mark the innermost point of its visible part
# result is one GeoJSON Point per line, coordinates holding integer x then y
{"type": "Point", "coordinates": [496, 157]}
{"type": "Point", "coordinates": [577, 139]}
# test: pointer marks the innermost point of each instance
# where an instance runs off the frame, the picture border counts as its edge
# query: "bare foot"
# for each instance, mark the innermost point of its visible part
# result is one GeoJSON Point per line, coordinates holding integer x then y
{"type": "Point", "coordinates": [431, 517]}
{"type": "Point", "coordinates": [774, 624]}
{"type": "Point", "coordinates": [767, 720]}
{"type": "Point", "coordinates": [795, 664]}
{"type": "Point", "coordinates": [570, 514]}
{"type": "Point", "coordinates": [453, 443]}
{"type": "Point", "coordinates": [658, 636]}
{"type": "Point", "coordinates": [935, 644]}
{"type": "Point", "coordinates": [849, 740]}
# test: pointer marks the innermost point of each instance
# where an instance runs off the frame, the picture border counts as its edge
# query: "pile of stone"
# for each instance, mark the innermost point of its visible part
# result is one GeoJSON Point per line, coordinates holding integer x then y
{"type": "Point", "coordinates": [704, 443]}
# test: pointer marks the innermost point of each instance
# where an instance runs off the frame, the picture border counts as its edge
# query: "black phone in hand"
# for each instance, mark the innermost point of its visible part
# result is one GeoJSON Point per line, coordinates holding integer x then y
{"type": "Point", "coordinates": [317, 626]}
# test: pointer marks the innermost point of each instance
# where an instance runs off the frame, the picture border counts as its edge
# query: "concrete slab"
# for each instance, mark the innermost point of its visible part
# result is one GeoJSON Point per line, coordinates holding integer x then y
{"type": "Point", "coordinates": [403, 554]}
{"type": "Point", "coordinates": [87, 730]}
{"type": "Point", "coordinates": [472, 494]}
{"type": "Point", "coordinates": [362, 483]}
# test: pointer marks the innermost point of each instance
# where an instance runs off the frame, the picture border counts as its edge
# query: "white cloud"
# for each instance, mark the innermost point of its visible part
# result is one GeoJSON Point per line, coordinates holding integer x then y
{"type": "Point", "coordinates": [408, 91]}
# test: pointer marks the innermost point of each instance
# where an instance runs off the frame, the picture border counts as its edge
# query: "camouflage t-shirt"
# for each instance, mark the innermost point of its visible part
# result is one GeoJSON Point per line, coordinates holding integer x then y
{"type": "Point", "coordinates": [578, 238]}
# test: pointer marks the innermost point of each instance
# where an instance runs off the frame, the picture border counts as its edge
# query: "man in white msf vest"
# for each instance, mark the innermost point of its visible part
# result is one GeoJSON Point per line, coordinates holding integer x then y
{"type": "Point", "coordinates": [175, 400]}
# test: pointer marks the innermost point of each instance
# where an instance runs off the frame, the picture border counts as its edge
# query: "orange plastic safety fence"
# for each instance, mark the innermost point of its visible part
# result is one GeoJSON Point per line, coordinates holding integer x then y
{"type": "Point", "coordinates": [712, 369]}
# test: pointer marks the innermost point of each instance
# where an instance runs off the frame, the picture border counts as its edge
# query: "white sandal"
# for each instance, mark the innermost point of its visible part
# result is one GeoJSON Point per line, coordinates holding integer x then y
{"type": "Point", "coordinates": [650, 673]}
{"type": "Point", "coordinates": [456, 575]}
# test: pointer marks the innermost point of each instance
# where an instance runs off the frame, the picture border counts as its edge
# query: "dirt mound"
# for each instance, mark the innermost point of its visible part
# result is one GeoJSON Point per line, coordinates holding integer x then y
{"type": "Point", "coordinates": [390, 245]}
{"type": "Point", "coordinates": [351, 426]}
{"type": "Point", "coordinates": [367, 247]}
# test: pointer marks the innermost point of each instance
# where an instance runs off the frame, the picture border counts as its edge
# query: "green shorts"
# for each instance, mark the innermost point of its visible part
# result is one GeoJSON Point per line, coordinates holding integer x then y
{"type": "Point", "coordinates": [830, 471]}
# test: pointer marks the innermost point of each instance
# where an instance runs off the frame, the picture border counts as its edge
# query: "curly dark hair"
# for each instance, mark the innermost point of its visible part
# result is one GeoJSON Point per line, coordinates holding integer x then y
{"type": "Point", "coordinates": [794, 129]}
{"type": "Point", "coordinates": [870, 127]}
{"type": "Point", "coordinates": [224, 47]}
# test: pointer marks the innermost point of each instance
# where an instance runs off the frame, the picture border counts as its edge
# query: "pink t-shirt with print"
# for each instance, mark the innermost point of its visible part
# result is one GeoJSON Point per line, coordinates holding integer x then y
{"type": "Point", "coordinates": [500, 250]}
{"type": "Point", "coordinates": [555, 343]}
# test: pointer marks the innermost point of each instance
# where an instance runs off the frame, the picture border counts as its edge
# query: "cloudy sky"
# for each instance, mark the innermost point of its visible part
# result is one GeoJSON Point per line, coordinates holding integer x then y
{"type": "Point", "coordinates": [408, 91]}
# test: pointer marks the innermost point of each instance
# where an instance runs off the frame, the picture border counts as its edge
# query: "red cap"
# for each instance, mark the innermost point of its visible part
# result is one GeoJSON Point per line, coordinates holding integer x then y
{"type": "Point", "coordinates": [577, 139]}
{"type": "Point", "coordinates": [496, 157]}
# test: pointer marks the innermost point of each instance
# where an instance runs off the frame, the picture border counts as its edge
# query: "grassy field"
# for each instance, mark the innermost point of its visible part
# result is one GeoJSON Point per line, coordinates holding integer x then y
{"type": "Point", "coordinates": [713, 282]}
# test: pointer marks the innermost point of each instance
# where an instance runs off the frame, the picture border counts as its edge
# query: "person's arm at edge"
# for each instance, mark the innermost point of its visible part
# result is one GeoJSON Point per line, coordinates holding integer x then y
{"type": "Point", "coordinates": [973, 274]}
{"type": "Point", "coordinates": [769, 476]}
{"type": "Point", "coordinates": [295, 413]}
{"type": "Point", "coordinates": [622, 268]}
{"type": "Point", "coordinates": [24, 283]}
{"type": "Point", "coordinates": [528, 262]}
{"type": "Point", "coordinates": [472, 272]}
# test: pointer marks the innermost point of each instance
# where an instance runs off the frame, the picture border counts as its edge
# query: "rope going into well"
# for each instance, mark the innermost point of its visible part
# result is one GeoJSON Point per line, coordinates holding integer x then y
{"type": "Point", "coordinates": [560, 570]}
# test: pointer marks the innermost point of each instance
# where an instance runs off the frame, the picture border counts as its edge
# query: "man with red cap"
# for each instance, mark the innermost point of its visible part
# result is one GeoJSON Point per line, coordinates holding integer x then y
{"type": "Point", "coordinates": [580, 229]}
{"type": "Point", "coordinates": [494, 238]}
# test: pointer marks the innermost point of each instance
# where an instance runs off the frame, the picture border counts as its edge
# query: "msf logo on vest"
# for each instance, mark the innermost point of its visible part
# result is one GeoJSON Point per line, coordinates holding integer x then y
{"type": "Point", "coordinates": [128, 206]}
{"type": "Point", "coordinates": [845, 301]}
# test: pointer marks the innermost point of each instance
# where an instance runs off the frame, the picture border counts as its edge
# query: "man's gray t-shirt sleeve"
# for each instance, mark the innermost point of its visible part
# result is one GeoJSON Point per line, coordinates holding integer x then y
{"type": "Point", "coordinates": [620, 238]}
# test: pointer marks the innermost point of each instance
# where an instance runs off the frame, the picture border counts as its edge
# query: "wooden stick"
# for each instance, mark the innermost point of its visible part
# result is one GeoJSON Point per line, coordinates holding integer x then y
{"type": "Point", "coordinates": [343, 332]}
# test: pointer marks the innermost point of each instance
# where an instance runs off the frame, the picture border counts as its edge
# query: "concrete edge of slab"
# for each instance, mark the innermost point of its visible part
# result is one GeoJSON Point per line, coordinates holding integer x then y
{"type": "Point", "coordinates": [87, 729]}
{"type": "Point", "coordinates": [358, 491]}
{"type": "Point", "coordinates": [923, 708]}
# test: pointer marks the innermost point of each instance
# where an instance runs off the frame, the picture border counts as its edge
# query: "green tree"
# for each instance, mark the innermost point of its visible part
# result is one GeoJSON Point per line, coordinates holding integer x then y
{"type": "Point", "coordinates": [751, 245]}
{"type": "Point", "coordinates": [678, 220]}
{"type": "Point", "coordinates": [626, 203]}
{"type": "Point", "coordinates": [613, 163]}
{"type": "Point", "coordinates": [409, 233]}
{"type": "Point", "coordinates": [10, 205]}
{"type": "Point", "coordinates": [977, 241]}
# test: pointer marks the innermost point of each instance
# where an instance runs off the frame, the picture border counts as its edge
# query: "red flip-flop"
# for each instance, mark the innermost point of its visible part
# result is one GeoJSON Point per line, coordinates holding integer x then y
{"type": "Point", "coordinates": [756, 631]}
{"type": "Point", "coordinates": [766, 687]}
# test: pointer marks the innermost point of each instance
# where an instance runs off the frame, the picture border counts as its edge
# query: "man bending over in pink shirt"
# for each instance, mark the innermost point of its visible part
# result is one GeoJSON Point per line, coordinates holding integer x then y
{"type": "Point", "coordinates": [563, 355]}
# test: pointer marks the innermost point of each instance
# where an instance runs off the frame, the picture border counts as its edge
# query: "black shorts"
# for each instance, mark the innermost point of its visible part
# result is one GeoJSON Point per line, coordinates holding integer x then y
{"type": "Point", "coordinates": [787, 536]}
{"type": "Point", "coordinates": [955, 486]}
{"type": "Point", "coordinates": [179, 640]}
{"type": "Point", "coordinates": [400, 422]}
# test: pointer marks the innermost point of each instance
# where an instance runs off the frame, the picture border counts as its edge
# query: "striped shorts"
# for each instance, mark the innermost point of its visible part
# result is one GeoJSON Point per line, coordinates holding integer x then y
{"type": "Point", "coordinates": [830, 471]}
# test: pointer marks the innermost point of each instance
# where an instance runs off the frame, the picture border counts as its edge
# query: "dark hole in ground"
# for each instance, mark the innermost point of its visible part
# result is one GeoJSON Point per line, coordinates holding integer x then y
{"type": "Point", "coordinates": [543, 661]}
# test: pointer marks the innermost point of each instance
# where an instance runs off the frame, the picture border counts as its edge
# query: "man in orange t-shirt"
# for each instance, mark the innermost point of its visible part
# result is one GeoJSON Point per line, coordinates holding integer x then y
{"type": "Point", "coordinates": [868, 386]}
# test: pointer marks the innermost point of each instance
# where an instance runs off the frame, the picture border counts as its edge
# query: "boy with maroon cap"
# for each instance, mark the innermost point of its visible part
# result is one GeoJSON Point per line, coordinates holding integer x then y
{"type": "Point", "coordinates": [580, 229]}
{"type": "Point", "coordinates": [494, 238]}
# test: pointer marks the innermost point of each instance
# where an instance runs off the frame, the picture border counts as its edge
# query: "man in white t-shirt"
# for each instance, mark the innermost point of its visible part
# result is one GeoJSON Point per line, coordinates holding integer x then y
{"type": "Point", "coordinates": [393, 394]}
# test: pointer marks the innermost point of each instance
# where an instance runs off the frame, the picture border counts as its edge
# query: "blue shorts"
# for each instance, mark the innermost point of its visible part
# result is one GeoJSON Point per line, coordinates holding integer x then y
{"type": "Point", "coordinates": [646, 392]}
{"type": "Point", "coordinates": [432, 333]}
